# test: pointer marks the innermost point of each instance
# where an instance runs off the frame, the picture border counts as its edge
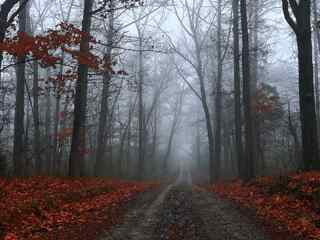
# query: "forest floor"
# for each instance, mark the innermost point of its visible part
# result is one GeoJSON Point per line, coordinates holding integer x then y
{"type": "Point", "coordinates": [285, 207]}
{"type": "Point", "coordinates": [181, 211]}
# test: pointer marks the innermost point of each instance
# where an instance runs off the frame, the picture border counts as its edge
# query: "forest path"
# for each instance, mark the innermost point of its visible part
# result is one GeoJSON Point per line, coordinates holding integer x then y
{"type": "Point", "coordinates": [180, 212]}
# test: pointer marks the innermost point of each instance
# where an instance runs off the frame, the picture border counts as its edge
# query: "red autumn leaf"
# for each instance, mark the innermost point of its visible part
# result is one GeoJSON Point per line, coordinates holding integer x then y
{"type": "Point", "coordinates": [63, 204]}
{"type": "Point", "coordinates": [10, 236]}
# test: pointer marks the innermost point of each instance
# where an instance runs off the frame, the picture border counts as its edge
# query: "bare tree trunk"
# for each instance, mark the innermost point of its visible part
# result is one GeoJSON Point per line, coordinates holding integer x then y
{"type": "Point", "coordinates": [237, 87]}
{"type": "Point", "coordinates": [48, 166]}
{"type": "Point", "coordinates": [316, 20]}
{"type": "Point", "coordinates": [36, 120]}
{"type": "Point", "coordinates": [128, 146]}
{"type": "Point", "coordinates": [28, 160]}
{"type": "Point", "coordinates": [121, 151]}
{"type": "Point", "coordinates": [100, 166]}
{"type": "Point", "coordinates": [176, 118]}
{"type": "Point", "coordinates": [294, 134]}
{"type": "Point", "coordinates": [249, 136]}
{"type": "Point", "coordinates": [307, 104]}
{"type": "Point", "coordinates": [6, 21]}
{"type": "Point", "coordinates": [76, 161]}
{"type": "Point", "coordinates": [110, 126]}
{"type": "Point", "coordinates": [316, 47]}
{"type": "Point", "coordinates": [302, 28]}
{"type": "Point", "coordinates": [57, 166]}
{"type": "Point", "coordinates": [198, 144]}
{"type": "Point", "coordinates": [208, 125]}
{"type": "Point", "coordinates": [141, 150]}
{"type": "Point", "coordinates": [218, 99]}
{"type": "Point", "coordinates": [18, 149]}
{"type": "Point", "coordinates": [316, 80]}
{"type": "Point", "coordinates": [254, 84]}
{"type": "Point", "coordinates": [155, 135]}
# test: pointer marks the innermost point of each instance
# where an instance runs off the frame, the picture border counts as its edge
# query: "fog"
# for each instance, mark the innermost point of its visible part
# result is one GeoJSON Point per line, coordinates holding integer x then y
{"type": "Point", "coordinates": [153, 89]}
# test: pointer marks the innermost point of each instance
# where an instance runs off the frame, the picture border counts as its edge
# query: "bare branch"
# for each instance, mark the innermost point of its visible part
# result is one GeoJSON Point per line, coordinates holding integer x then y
{"type": "Point", "coordinates": [287, 16]}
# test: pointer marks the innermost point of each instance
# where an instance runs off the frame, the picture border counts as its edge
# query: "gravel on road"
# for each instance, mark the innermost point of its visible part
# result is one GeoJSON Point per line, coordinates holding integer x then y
{"type": "Point", "coordinates": [177, 212]}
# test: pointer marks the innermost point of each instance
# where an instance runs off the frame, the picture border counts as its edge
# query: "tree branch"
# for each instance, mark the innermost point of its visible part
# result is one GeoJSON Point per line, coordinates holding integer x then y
{"type": "Point", "coordinates": [294, 6]}
{"type": "Point", "coordinates": [15, 14]}
{"type": "Point", "coordinates": [105, 2]}
{"type": "Point", "coordinates": [287, 16]}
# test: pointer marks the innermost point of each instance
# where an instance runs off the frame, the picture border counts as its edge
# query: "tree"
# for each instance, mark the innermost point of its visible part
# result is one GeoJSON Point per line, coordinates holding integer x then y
{"type": "Point", "coordinates": [177, 108]}
{"type": "Point", "coordinates": [102, 131]}
{"type": "Point", "coordinates": [246, 75]}
{"type": "Point", "coordinates": [193, 30]}
{"type": "Point", "coordinates": [218, 97]}
{"type": "Point", "coordinates": [18, 148]}
{"type": "Point", "coordinates": [76, 160]}
{"type": "Point", "coordinates": [7, 20]}
{"type": "Point", "coordinates": [237, 86]}
{"type": "Point", "coordinates": [298, 16]}
{"type": "Point", "coordinates": [316, 48]}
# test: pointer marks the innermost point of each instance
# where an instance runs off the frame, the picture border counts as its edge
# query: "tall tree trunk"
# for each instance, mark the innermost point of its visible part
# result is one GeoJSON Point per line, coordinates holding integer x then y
{"type": "Point", "coordinates": [249, 136]}
{"type": "Point", "coordinates": [141, 150]}
{"type": "Point", "coordinates": [316, 80]}
{"type": "Point", "coordinates": [154, 147]}
{"type": "Point", "coordinates": [316, 48]}
{"type": "Point", "coordinates": [293, 132]}
{"type": "Point", "coordinates": [28, 160]}
{"type": "Point", "coordinates": [198, 146]}
{"type": "Point", "coordinates": [237, 87]}
{"type": "Point", "coordinates": [177, 113]}
{"type": "Point", "coordinates": [6, 21]}
{"type": "Point", "coordinates": [302, 28]}
{"type": "Point", "coordinates": [18, 153]}
{"type": "Point", "coordinates": [316, 20]}
{"type": "Point", "coordinates": [254, 84]}
{"type": "Point", "coordinates": [36, 119]}
{"type": "Point", "coordinates": [48, 166]}
{"type": "Point", "coordinates": [208, 123]}
{"type": "Point", "coordinates": [76, 160]}
{"type": "Point", "coordinates": [307, 103]}
{"type": "Point", "coordinates": [57, 160]}
{"type": "Point", "coordinates": [102, 134]}
{"type": "Point", "coordinates": [218, 99]}
{"type": "Point", "coordinates": [128, 146]}
{"type": "Point", "coordinates": [100, 165]}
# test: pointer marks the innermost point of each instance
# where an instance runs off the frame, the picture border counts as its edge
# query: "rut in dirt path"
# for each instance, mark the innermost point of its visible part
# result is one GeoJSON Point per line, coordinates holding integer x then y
{"type": "Point", "coordinates": [139, 222]}
{"type": "Point", "coordinates": [221, 220]}
{"type": "Point", "coordinates": [178, 212]}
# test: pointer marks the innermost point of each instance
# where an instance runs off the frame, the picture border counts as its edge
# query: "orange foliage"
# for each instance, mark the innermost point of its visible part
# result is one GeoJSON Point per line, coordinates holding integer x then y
{"type": "Point", "coordinates": [289, 204]}
{"type": "Point", "coordinates": [56, 208]}
{"type": "Point", "coordinates": [64, 133]}
{"type": "Point", "coordinates": [42, 47]}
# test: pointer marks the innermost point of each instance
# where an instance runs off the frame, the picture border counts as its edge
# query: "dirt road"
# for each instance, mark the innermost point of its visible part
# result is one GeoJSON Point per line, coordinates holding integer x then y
{"type": "Point", "coordinates": [179, 212]}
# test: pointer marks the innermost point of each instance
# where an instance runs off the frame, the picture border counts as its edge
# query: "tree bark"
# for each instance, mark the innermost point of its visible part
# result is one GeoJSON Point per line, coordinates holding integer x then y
{"type": "Point", "coordinates": [307, 103]}
{"type": "Point", "coordinates": [5, 20]}
{"type": "Point", "coordinates": [36, 119]}
{"type": "Point", "coordinates": [177, 112]}
{"type": "Point", "coordinates": [76, 160]}
{"type": "Point", "coordinates": [48, 165]}
{"type": "Point", "coordinates": [249, 136]}
{"type": "Point", "coordinates": [237, 87]}
{"type": "Point", "coordinates": [218, 98]}
{"type": "Point", "coordinates": [316, 47]}
{"type": "Point", "coordinates": [301, 25]}
{"type": "Point", "coordinates": [141, 150]}
{"type": "Point", "coordinates": [316, 20]}
{"type": "Point", "coordinates": [100, 165]}
{"type": "Point", "coordinates": [316, 80]}
{"type": "Point", "coordinates": [18, 149]}
{"type": "Point", "coordinates": [254, 84]}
